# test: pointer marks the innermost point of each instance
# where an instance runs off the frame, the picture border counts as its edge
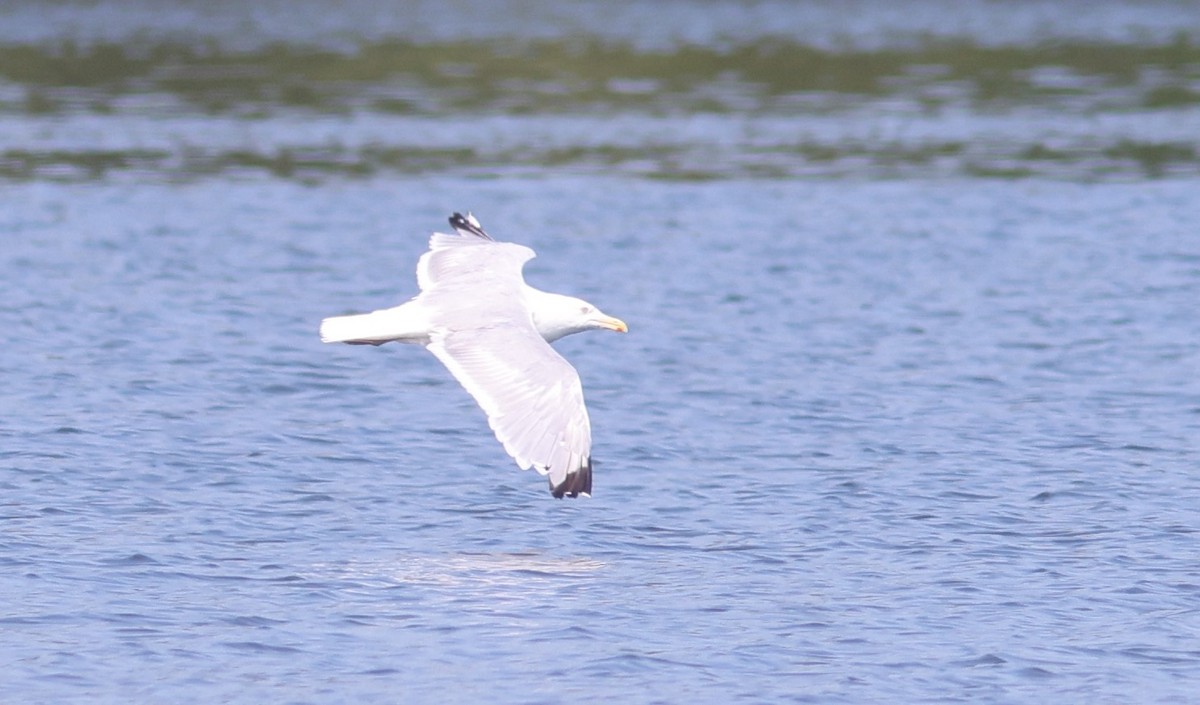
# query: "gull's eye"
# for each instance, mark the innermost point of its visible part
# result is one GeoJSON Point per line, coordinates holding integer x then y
{"type": "Point", "coordinates": [585, 309]}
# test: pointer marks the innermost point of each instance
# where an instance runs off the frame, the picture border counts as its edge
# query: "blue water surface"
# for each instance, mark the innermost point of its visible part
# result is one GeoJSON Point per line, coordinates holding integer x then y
{"type": "Point", "coordinates": [899, 441]}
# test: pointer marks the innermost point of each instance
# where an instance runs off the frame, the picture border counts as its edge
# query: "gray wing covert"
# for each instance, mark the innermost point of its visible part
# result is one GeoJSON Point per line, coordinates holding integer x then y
{"type": "Point", "coordinates": [474, 262]}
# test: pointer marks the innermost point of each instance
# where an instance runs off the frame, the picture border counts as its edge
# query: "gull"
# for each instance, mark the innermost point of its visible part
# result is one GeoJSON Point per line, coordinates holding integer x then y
{"type": "Point", "coordinates": [493, 331]}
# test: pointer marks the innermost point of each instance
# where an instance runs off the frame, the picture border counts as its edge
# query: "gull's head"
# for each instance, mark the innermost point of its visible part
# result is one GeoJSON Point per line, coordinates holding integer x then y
{"type": "Point", "coordinates": [556, 316]}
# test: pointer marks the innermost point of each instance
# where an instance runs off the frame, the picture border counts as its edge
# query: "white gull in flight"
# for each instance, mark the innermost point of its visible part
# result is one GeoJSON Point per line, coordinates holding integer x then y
{"type": "Point", "coordinates": [493, 332]}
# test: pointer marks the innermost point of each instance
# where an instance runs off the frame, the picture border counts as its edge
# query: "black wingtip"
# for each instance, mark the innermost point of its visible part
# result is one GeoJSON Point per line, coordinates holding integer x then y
{"type": "Point", "coordinates": [468, 225]}
{"type": "Point", "coordinates": [576, 483]}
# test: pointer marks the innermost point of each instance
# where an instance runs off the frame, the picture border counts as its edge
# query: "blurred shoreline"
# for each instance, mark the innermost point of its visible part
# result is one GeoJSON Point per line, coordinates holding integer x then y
{"type": "Point", "coordinates": [168, 105]}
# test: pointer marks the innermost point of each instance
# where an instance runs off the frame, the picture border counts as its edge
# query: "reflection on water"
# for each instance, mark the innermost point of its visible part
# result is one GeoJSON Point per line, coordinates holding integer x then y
{"type": "Point", "coordinates": [498, 573]}
{"type": "Point", "coordinates": [181, 104]}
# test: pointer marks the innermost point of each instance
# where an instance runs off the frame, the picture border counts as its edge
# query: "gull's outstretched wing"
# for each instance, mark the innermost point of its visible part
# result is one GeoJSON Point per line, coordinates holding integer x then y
{"type": "Point", "coordinates": [483, 331]}
{"type": "Point", "coordinates": [531, 395]}
{"type": "Point", "coordinates": [472, 259]}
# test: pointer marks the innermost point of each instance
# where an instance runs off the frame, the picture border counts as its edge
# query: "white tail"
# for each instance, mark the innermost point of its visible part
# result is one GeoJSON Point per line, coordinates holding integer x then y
{"type": "Point", "coordinates": [376, 328]}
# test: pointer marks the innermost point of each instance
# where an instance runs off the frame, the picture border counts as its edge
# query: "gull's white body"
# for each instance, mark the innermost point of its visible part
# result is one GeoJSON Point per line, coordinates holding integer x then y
{"type": "Point", "coordinates": [492, 331]}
